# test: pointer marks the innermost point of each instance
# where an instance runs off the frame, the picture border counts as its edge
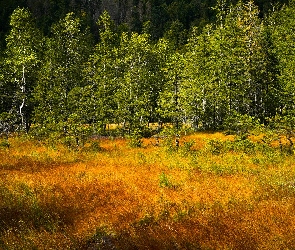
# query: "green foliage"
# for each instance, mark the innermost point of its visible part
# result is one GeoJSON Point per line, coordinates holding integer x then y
{"type": "Point", "coordinates": [230, 74]}
{"type": "Point", "coordinates": [60, 91]}
{"type": "Point", "coordinates": [140, 82]}
{"type": "Point", "coordinates": [146, 220]}
{"type": "Point", "coordinates": [281, 25]}
{"type": "Point", "coordinates": [215, 146]}
{"type": "Point", "coordinates": [101, 73]}
{"type": "Point", "coordinates": [8, 121]}
{"type": "Point", "coordinates": [187, 147]}
{"type": "Point", "coordinates": [170, 105]}
{"type": "Point", "coordinates": [283, 128]}
{"type": "Point", "coordinates": [239, 144]}
{"type": "Point", "coordinates": [94, 147]}
{"type": "Point", "coordinates": [240, 125]}
{"type": "Point", "coordinates": [4, 144]}
{"type": "Point", "coordinates": [165, 182]}
{"type": "Point", "coordinates": [171, 139]}
{"type": "Point", "coordinates": [228, 69]}
{"type": "Point", "coordinates": [135, 139]}
{"type": "Point", "coordinates": [22, 62]}
{"type": "Point", "coordinates": [244, 145]}
{"type": "Point", "coordinates": [76, 133]}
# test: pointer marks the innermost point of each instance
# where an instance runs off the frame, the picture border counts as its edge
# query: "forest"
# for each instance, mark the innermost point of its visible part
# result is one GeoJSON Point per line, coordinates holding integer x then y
{"type": "Point", "coordinates": [147, 124]}
{"type": "Point", "coordinates": [68, 83]}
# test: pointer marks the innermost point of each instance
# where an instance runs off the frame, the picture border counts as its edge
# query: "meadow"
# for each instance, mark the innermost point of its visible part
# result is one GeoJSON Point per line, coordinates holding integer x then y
{"type": "Point", "coordinates": [214, 191]}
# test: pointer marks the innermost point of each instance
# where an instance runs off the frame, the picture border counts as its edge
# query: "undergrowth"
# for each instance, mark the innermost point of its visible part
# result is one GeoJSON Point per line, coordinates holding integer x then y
{"type": "Point", "coordinates": [211, 191]}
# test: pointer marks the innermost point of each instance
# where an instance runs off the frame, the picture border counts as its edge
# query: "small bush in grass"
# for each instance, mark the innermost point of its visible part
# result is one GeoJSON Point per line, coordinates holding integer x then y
{"type": "Point", "coordinates": [135, 139]}
{"type": "Point", "coordinates": [93, 147]}
{"type": "Point", "coordinates": [4, 144]}
{"type": "Point", "coordinates": [244, 145]}
{"type": "Point", "coordinates": [146, 220]}
{"type": "Point", "coordinates": [171, 139]}
{"type": "Point", "coordinates": [216, 146]}
{"type": "Point", "coordinates": [165, 182]}
{"type": "Point", "coordinates": [186, 149]}
{"type": "Point", "coordinates": [240, 124]}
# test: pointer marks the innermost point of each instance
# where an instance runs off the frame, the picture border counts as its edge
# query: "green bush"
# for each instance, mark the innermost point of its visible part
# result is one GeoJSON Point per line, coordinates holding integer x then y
{"type": "Point", "coordinates": [240, 124]}
{"type": "Point", "coordinates": [216, 146]}
{"type": "Point", "coordinates": [165, 182]}
{"type": "Point", "coordinates": [186, 149]}
{"type": "Point", "coordinates": [135, 139]}
{"type": "Point", "coordinates": [4, 144]}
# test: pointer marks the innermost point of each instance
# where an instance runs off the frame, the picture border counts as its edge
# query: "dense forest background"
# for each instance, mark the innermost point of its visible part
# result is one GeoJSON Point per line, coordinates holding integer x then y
{"type": "Point", "coordinates": [162, 14]}
{"type": "Point", "coordinates": [71, 67]}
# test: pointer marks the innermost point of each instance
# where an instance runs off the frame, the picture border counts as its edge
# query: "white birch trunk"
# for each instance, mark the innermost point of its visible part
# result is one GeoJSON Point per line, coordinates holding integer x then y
{"type": "Point", "coordinates": [23, 90]}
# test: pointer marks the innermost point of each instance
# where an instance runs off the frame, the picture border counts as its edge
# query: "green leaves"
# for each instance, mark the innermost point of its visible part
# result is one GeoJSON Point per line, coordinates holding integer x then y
{"type": "Point", "coordinates": [281, 24]}
{"type": "Point", "coordinates": [140, 82]}
{"type": "Point", "coordinates": [23, 39]}
{"type": "Point", "coordinates": [101, 74]}
{"type": "Point", "coordinates": [228, 68]}
{"type": "Point", "coordinates": [242, 66]}
{"type": "Point", "coordinates": [170, 101]}
{"type": "Point", "coordinates": [61, 81]}
{"type": "Point", "coordinates": [24, 44]}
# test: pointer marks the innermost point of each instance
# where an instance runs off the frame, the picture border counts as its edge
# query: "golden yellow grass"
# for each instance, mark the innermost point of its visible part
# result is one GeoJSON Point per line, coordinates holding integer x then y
{"type": "Point", "coordinates": [145, 198]}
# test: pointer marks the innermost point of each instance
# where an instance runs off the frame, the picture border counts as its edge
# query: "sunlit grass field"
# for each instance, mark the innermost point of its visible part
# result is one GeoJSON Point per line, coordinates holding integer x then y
{"type": "Point", "coordinates": [211, 192]}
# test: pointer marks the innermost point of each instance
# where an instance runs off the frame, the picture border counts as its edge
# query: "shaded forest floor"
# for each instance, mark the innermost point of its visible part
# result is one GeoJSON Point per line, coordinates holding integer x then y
{"type": "Point", "coordinates": [212, 192]}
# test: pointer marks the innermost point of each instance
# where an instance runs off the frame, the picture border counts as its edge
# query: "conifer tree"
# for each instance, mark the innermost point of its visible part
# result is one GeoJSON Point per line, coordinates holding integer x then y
{"type": "Point", "coordinates": [228, 68]}
{"type": "Point", "coordinates": [252, 65]}
{"type": "Point", "coordinates": [204, 79]}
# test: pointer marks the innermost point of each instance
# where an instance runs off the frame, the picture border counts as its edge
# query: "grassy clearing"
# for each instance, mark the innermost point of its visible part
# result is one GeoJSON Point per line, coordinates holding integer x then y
{"type": "Point", "coordinates": [213, 192]}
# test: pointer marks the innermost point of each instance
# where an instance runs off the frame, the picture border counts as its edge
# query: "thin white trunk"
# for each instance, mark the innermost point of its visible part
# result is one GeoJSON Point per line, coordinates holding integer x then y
{"type": "Point", "coordinates": [23, 90]}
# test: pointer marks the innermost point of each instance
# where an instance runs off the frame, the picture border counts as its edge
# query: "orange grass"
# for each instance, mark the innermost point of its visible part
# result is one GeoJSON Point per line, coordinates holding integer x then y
{"type": "Point", "coordinates": [56, 198]}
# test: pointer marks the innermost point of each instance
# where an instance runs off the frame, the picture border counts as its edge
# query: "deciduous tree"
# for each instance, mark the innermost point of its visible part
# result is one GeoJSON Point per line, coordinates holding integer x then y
{"type": "Point", "coordinates": [67, 50]}
{"type": "Point", "coordinates": [22, 61]}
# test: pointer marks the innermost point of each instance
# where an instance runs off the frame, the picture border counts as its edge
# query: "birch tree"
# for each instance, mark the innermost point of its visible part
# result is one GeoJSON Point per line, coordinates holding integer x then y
{"type": "Point", "coordinates": [101, 74]}
{"type": "Point", "coordinates": [139, 85]}
{"type": "Point", "coordinates": [60, 83]}
{"type": "Point", "coordinates": [282, 29]}
{"type": "Point", "coordinates": [170, 99]}
{"type": "Point", "coordinates": [22, 57]}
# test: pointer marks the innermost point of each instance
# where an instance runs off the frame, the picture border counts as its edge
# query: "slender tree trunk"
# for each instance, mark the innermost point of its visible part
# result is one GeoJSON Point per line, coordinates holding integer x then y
{"type": "Point", "coordinates": [176, 103]}
{"type": "Point", "coordinates": [23, 90]}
